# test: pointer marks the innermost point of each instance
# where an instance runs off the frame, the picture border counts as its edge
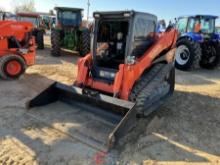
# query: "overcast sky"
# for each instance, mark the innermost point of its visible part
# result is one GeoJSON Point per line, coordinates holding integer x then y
{"type": "Point", "coordinates": [167, 9]}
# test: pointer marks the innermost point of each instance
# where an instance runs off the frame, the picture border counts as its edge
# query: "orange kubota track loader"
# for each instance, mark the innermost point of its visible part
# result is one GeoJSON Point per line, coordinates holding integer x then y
{"type": "Point", "coordinates": [128, 74]}
{"type": "Point", "coordinates": [17, 48]}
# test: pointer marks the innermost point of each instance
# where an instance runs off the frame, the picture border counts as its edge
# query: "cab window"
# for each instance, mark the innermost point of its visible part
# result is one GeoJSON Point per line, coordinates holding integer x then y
{"type": "Point", "coordinates": [182, 24]}
{"type": "Point", "coordinates": [143, 38]}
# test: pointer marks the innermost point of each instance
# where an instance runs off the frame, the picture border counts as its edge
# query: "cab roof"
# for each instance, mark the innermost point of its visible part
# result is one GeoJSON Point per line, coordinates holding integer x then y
{"type": "Point", "coordinates": [68, 9]}
{"type": "Point", "coordinates": [197, 16]}
{"type": "Point", "coordinates": [121, 13]}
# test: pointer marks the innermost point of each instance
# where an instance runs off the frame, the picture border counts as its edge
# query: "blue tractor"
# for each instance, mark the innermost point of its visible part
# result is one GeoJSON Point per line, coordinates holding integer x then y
{"type": "Point", "coordinates": [198, 44]}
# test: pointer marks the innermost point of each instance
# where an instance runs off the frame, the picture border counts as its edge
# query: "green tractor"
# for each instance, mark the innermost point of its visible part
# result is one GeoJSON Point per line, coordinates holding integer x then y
{"type": "Point", "coordinates": [69, 33]}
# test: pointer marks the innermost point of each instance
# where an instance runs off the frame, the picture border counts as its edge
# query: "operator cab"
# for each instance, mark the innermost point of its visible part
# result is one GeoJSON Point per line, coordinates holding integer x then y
{"type": "Point", "coordinates": [204, 24]}
{"type": "Point", "coordinates": [120, 38]}
{"type": "Point", "coordinates": [111, 42]}
{"type": "Point", "coordinates": [68, 17]}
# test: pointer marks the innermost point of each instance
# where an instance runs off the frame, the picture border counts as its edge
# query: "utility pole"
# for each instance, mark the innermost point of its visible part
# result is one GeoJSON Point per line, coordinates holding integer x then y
{"type": "Point", "coordinates": [88, 3]}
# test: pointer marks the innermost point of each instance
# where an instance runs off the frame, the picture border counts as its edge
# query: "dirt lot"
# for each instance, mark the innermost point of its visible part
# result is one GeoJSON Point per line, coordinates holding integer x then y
{"type": "Point", "coordinates": [184, 131]}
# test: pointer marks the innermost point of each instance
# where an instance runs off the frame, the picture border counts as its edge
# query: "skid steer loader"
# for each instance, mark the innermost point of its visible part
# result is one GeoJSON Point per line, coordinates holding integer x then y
{"type": "Point", "coordinates": [128, 74]}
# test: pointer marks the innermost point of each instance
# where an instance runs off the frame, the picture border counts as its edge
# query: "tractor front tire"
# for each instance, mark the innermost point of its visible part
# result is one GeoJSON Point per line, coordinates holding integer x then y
{"type": "Point", "coordinates": [40, 39]}
{"type": "Point", "coordinates": [12, 67]}
{"type": "Point", "coordinates": [85, 43]}
{"type": "Point", "coordinates": [55, 42]}
{"type": "Point", "coordinates": [211, 60]}
{"type": "Point", "coordinates": [150, 89]}
{"type": "Point", "coordinates": [188, 54]}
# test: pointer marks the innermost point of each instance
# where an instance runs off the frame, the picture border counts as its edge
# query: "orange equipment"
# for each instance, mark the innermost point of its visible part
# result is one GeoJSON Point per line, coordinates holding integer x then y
{"type": "Point", "coordinates": [17, 48]}
{"type": "Point", "coordinates": [128, 74]}
{"type": "Point", "coordinates": [39, 28]}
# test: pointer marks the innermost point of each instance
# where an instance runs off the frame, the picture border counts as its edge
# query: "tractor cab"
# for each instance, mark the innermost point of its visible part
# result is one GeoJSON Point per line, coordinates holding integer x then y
{"type": "Point", "coordinates": [197, 25]}
{"type": "Point", "coordinates": [68, 17]}
{"type": "Point", "coordinates": [120, 38]}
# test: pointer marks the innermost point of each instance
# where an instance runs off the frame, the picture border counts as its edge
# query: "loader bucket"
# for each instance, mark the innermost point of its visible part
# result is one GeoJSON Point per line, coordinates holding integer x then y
{"type": "Point", "coordinates": [101, 120]}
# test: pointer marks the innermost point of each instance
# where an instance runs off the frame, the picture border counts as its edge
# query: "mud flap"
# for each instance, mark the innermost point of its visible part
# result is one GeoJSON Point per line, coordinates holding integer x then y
{"type": "Point", "coordinates": [101, 120]}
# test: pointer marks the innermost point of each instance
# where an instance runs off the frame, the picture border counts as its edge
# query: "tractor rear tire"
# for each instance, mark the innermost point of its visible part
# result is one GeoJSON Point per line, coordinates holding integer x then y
{"type": "Point", "coordinates": [40, 39]}
{"type": "Point", "coordinates": [150, 89]}
{"type": "Point", "coordinates": [12, 67]}
{"type": "Point", "coordinates": [85, 43]}
{"type": "Point", "coordinates": [55, 42]}
{"type": "Point", "coordinates": [188, 55]}
{"type": "Point", "coordinates": [211, 61]}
